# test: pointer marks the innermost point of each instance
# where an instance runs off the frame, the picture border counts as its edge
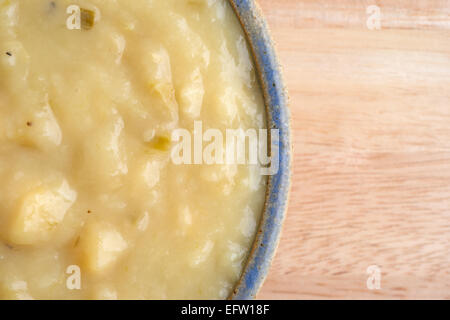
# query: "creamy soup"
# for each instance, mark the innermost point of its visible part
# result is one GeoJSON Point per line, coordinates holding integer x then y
{"type": "Point", "coordinates": [92, 205]}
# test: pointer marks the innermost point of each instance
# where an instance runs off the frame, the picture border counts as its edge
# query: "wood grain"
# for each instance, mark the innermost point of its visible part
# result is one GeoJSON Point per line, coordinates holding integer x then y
{"type": "Point", "coordinates": [371, 121]}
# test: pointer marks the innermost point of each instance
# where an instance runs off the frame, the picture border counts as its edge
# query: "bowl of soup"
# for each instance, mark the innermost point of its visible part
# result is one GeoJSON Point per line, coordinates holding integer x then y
{"type": "Point", "coordinates": [144, 149]}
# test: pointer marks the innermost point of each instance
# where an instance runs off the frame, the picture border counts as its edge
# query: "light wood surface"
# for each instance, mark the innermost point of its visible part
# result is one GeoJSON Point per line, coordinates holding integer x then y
{"type": "Point", "coordinates": [371, 130]}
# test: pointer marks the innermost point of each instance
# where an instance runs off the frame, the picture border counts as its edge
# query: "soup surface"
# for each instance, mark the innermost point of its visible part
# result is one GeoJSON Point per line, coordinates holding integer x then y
{"type": "Point", "coordinates": [92, 206]}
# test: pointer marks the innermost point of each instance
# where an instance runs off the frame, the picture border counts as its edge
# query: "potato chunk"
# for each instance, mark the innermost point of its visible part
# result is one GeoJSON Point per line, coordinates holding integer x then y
{"type": "Point", "coordinates": [14, 66]}
{"type": "Point", "coordinates": [201, 253]}
{"type": "Point", "coordinates": [104, 292]}
{"type": "Point", "coordinates": [191, 95]}
{"type": "Point", "coordinates": [9, 17]}
{"type": "Point", "coordinates": [154, 71]}
{"type": "Point", "coordinates": [39, 214]}
{"type": "Point", "coordinates": [15, 290]}
{"type": "Point", "coordinates": [105, 155]}
{"type": "Point", "coordinates": [42, 130]}
{"type": "Point", "coordinates": [102, 245]}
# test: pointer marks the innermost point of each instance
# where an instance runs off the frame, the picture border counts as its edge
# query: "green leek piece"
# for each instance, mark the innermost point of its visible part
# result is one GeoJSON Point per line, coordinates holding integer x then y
{"type": "Point", "coordinates": [87, 18]}
{"type": "Point", "coordinates": [160, 143]}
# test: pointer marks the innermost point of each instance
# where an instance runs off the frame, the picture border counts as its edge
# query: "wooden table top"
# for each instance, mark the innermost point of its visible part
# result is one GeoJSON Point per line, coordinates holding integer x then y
{"type": "Point", "coordinates": [371, 129]}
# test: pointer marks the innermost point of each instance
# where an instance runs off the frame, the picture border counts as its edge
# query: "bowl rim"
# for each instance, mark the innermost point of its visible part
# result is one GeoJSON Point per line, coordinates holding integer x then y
{"type": "Point", "coordinates": [278, 117]}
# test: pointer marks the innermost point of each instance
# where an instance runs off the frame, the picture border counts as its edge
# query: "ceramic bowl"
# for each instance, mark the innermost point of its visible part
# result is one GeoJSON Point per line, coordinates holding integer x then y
{"type": "Point", "coordinates": [278, 117]}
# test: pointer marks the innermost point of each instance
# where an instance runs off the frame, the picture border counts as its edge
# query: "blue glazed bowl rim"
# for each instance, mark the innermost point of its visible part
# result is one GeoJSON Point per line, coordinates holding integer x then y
{"type": "Point", "coordinates": [278, 117]}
